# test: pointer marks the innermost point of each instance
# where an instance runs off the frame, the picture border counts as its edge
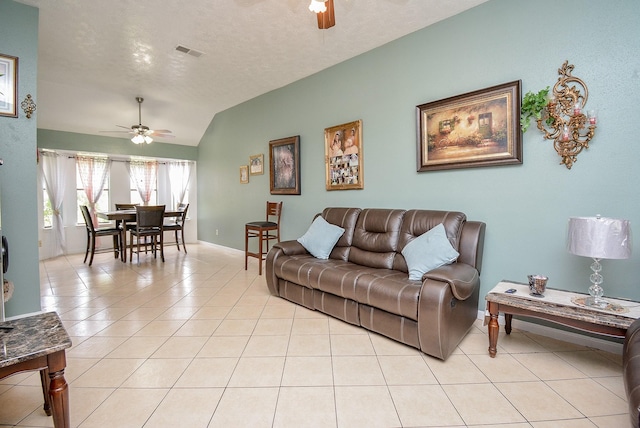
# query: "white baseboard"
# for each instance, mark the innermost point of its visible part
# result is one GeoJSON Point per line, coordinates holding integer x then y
{"type": "Point", "coordinates": [563, 335]}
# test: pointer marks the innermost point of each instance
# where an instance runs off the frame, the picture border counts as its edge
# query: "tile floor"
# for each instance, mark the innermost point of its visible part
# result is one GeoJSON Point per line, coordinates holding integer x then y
{"type": "Point", "coordinates": [199, 342]}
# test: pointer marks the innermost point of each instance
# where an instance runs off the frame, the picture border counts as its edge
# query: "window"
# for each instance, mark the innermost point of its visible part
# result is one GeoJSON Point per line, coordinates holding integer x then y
{"type": "Point", "coordinates": [135, 195]}
{"type": "Point", "coordinates": [47, 209]}
{"type": "Point", "coordinates": [81, 197]}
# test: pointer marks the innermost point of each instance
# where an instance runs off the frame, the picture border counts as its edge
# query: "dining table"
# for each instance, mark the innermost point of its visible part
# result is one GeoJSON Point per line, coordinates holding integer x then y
{"type": "Point", "coordinates": [121, 217]}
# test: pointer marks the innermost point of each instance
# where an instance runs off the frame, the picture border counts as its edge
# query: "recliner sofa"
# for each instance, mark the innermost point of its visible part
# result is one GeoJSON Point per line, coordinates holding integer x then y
{"type": "Point", "coordinates": [365, 280]}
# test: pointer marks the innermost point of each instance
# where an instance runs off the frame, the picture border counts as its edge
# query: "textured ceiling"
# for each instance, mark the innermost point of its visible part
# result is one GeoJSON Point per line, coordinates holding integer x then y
{"type": "Point", "coordinates": [96, 56]}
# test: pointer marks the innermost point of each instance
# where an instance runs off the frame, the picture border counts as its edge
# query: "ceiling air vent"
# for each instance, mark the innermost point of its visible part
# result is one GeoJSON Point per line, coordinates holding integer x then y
{"type": "Point", "coordinates": [189, 51]}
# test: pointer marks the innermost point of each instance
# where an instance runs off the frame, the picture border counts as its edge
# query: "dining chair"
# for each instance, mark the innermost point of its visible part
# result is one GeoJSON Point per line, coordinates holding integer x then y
{"type": "Point", "coordinates": [93, 233]}
{"type": "Point", "coordinates": [265, 231]}
{"type": "Point", "coordinates": [129, 226]}
{"type": "Point", "coordinates": [177, 225]}
{"type": "Point", "coordinates": [149, 224]}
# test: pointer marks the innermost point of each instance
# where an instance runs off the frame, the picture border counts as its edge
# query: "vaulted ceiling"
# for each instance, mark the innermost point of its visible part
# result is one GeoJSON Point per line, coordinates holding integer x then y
{"type": "Point", "coordinates": [95, 57]}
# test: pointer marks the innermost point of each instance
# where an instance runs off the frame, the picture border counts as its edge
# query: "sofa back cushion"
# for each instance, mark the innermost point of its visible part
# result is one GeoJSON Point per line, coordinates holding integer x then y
{"type": "Point", "coordinates": [345, 218]}
{"type": "Point", "coordinates": [375, 238]}
{"type": "Point", "coordinates": [417, 222]}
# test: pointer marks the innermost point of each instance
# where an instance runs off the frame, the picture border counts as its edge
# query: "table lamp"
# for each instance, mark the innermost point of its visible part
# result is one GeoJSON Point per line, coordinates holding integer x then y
{"type": "Point", "coordinates": [599, 238]}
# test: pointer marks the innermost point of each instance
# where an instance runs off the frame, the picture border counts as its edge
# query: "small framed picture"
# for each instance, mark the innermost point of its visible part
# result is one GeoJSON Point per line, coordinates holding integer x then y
{"type": "Point", "coordinates": [244, 174]}
{"type": "Point", "coordinates": [256, 164]}
{"type": "Point", "coordinates": [284, 166]}
{"type": "Point", "coordinates": [343, 156]}
{"type": "Point", "coordinates": [8, 85]}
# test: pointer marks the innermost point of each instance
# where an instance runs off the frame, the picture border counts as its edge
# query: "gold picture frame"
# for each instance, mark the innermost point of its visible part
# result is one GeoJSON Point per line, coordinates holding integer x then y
{"type": "Point", "coordinates": [479, 128]}
{"type": "Point", "coordinates": [256, 164]}
{"type": "Point", "coordinates": [244, 174]}
{"type": "Point", "coordinates": [8, 85]}
{"type": "Point", "coordinates": [344, 156]}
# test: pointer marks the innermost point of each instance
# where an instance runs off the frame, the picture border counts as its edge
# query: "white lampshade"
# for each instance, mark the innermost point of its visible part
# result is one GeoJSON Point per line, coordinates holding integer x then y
{"type": "Point", "coordinates": [599, 237]}
{"type": "Point", "coordinates": [318, 6]}
{"type": "Point", "coordinates": [138, 139]}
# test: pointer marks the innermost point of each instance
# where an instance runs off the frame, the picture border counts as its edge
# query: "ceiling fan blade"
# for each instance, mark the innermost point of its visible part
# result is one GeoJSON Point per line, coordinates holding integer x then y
{"type": "Point", "coordinates": [162, 135]}
{"type": "Point", "coordinates": [327, 19]}
{"type": "Point", "coordinates": [125, 127]}
{"type": "Point", "coordinates": [118, 132]}
{"type": "Point", "coordinates": [162, 131]}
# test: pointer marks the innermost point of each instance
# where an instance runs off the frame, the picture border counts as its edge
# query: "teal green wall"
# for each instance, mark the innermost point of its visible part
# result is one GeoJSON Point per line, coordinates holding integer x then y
{"type": "Point", "coordinates": [19, 37]}
{"type": "Point", "coordinates": [526, 207]}
{"type": "Point", "coordinates": [48, 139]}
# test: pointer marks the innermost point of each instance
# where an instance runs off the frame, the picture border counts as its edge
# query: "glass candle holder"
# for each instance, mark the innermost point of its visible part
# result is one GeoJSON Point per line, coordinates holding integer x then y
{"type": "Point", "coordinates": [592, 116]}
{"type": "Point", "coordinates": [577, 109]}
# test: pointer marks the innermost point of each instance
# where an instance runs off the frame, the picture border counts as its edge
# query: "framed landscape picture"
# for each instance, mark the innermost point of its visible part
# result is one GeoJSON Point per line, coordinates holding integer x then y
{"type": "Point", "coordinates": [479, 128]}
{"type": "Point", "coordinates": [343, 156]}
{"type": "Point", "coordinates": [284, 166]}
{"type": "Point", "coordinates": [8, 85]}
{"type": "Point", "coordinates": [244, 174]}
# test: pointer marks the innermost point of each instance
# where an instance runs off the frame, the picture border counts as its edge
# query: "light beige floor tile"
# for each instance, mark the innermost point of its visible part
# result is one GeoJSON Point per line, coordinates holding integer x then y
{"type": "Point", "coordinates": [615, 421]}
{"type": "Point", "coordinates": [95, 347]}
{"type": "Point", "coordinates": [273, 326]}
{"type": "Point", "coordinates": [307, 371]}
{"type": "Point", "coordinates": [457, 369]}
{"type": "Point", "coordinates": [148, 314]}
{"type": "Point", "coordinates": [235, 328]}
{"type": "Point", "coordinates": [310, 326]}
{"type": "Point", "coordinates": [232, 409]}
{"type": "Point", "coordinates": [567, 423]}
{"type": "Point", "coordinates": [224, 346]}
{"type": "Point", "coordinates": [278, 311]}
{"type": "Point", "coordinates": [140, 404]}
{"type": "Point", "coordinates": [309, 345]}
{"type": "Point", "coordinates": [337, 326]}
{"type": "Point", "coordinates": [157, 373]}
{"type": "Point", "coordinates": [180, 347]}
{"type": "Point", "coordinates": [108, 373]}
{"type": "Point", "coordinates": [614, 384]}
{"type": "Point", "coordinates": [537, 402]}
{"type": "Point", "coordinates": [258, 372]}
{"type": "Point", "coordinates": [207, 373]}
{"type": "Point", "coordinates": [345, 344]}
{"type": "Point", "coordinates": [589, 397]}
{"type": "Point", "coordinates": [424, 405]}
{"type": "Point", "coordinates": [591, 363]}
{"type": "Point", "coordinates": [88, 328]}
{"type": "Point", "coordinates": [516, 343]}
{"type": "Point", "coordinates": [198, 328]}
{"type": "Point", "coordinates": [123, 328]}
{"type": "Point", "coordinates": [266, 346]}
{"type": "Point", "coordinates": [406, 370]}
{"type": "Point", "coordinates": [160, 328]}
{"type": "Point", "coordinates": [547, 366]}
{"type": "Point", "coordinates": [212, 312]}
{"type": "Point", "coordinates": [365, 406]}
{"type": "Point", "coordinates": [504, 369]}
{"type": "Point", "coordinates": [18, 402]}
{"type": "Point", "coordinates": [480, 404]}
{"type": "Point", "coordinates": [306, 407]}
{"type": "Point", "coordinates": [181, 407]}
{"type": "Point", "coordinates": [357, 371]}
{"type": "Point", "coordinates": [555, 345]}
{"type": "Point", "coordinates": [178, 313]}
{"type": "Point", "coordinates": [244, 312]}
{"type": "Point", "coordinates": [138, 347]}
{"type": "Point", "coordinates": [77, 366]}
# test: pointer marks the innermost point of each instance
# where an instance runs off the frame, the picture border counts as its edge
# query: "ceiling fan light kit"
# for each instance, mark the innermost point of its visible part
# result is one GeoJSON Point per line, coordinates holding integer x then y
{"type": "Point", "coordinates": [318, 6]}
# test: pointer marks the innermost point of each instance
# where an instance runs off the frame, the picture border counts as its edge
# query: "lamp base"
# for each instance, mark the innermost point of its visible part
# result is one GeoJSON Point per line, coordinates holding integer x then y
{"type": "Point", "coordinates": [596, 302]}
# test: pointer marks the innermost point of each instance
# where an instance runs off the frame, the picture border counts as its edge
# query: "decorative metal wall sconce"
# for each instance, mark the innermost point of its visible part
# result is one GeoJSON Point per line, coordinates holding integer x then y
{"type": "Point", "coordinates": [28, 106]}
{"type": "Point", "coordinates": [566, 121]}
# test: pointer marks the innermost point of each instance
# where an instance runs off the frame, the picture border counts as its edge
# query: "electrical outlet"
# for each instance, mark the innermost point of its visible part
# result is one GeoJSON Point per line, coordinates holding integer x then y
{"type": "Point", "coordinates": [217, 232]}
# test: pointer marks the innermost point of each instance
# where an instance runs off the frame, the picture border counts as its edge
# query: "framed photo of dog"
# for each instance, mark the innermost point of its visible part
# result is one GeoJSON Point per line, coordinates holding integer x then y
{"type": "Point", "coordinates": [343, 156]}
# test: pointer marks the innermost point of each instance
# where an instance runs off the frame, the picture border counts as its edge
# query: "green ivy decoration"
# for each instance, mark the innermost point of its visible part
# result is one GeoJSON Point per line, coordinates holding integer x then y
{"type": "Point", "coordinates": [532, 106]}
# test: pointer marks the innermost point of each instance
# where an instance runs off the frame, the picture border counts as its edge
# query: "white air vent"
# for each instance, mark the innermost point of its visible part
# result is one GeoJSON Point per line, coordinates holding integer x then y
{"type": "Point", "coordinates": [189, 51]}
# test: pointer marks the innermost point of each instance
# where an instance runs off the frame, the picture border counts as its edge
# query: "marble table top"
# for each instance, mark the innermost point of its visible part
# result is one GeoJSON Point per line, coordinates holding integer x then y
{"type": "Point", "coordinates": [563, 303]}
{"type": "Point", "coordinates": [31, 337]}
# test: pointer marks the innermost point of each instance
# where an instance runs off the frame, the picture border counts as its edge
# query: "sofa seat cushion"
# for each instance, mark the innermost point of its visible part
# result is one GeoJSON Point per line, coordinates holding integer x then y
{"type": "Point", "coordinates": [304, 269]}
{"type": "Point", "coordinates": [390, 291]}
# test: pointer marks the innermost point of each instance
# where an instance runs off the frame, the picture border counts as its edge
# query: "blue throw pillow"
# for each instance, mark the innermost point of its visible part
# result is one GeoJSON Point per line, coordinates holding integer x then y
{"type": "Point", "coordinates": [428, 251]}
{"type": "Point", "coordinates": [321, 238]}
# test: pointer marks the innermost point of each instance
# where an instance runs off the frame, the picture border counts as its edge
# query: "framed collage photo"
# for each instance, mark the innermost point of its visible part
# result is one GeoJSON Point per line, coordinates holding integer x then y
{"type": "Point", "coordinates": [476, 129]}
{"type": "Point", "coordinates": [256, 164]}
{"type": "Point", "coordinates": [343, 156]}
{"type": "Point", "coordinates": [284, 166]}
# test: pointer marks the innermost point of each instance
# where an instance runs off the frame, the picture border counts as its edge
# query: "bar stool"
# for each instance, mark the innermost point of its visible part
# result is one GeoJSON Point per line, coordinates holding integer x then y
{"type": "Point", "coordinates": [264, 231]}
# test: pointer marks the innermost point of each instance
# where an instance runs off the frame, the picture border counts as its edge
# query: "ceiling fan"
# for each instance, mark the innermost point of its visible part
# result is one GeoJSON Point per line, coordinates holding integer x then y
{"type": "Point", "coordinates": [142, 133]}
{"type": "Point", "coordinates": [325, 13]}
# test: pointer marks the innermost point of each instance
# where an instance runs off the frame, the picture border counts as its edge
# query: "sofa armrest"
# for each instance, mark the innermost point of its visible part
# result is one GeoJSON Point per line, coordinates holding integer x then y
{"type": "Point", "coordinates": [631, 371]}
{"type": "Point", "coordinates": [462, 278]}
{"type": "Point", "coordinates": [291, 248]}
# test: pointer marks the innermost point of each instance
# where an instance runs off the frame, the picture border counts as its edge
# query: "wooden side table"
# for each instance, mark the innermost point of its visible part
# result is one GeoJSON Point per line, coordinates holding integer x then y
{"type": "Point", "coordinates": [559, 307]}
{"type": "Point", "coordinates": [38, 343]}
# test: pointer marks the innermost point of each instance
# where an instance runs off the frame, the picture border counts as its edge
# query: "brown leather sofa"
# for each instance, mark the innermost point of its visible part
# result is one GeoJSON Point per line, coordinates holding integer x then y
{"type": "Point", "coordinates": [365, 281]}
{"type": "Point", "coordinates": [631, 371]}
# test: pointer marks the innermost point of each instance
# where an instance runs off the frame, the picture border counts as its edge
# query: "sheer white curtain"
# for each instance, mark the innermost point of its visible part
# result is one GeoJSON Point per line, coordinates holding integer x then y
{"type": "Point", "coordinates": [144, 174]}
{"type": "Point", "coordinates": [53, 176]}
{"type": "Point", "coordinates": [93, 173]}
{"type": "Point", "coordinates": [179, 175]}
